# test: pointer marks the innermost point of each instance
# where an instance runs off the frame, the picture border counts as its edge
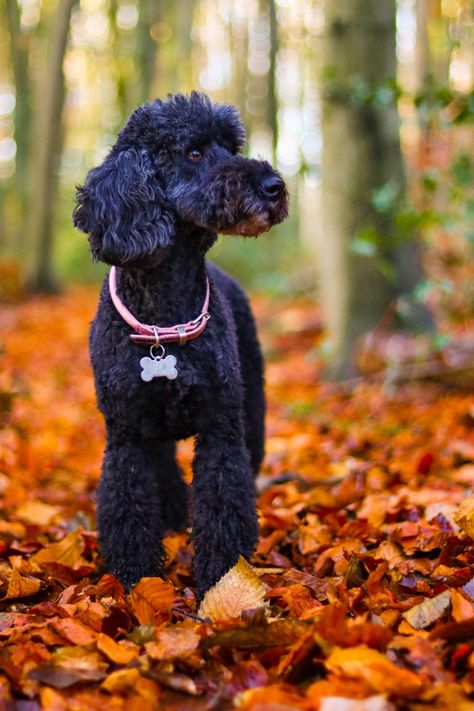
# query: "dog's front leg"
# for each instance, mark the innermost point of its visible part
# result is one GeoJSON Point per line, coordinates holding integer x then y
{"type": "Point", "coordinates": [129, 516]}
{"type": "Point", "coordinates": [224, 517]}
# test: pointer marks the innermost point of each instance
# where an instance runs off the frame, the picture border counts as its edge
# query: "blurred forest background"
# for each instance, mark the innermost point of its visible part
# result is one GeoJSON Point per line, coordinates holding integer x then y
{"type": "Point", "coordinates": [365, 106]}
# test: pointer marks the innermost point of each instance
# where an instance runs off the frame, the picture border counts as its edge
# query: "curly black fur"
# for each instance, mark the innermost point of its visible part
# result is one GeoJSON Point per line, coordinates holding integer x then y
{"type": "Point", "coordinates": [172, 180]}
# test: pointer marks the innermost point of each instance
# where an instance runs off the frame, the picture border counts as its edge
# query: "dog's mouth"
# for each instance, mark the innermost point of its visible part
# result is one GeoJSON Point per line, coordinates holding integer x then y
{"type": "Point", "coordinates": [260, 222]}
{"type": "Point", "coordinates": [249, 227]}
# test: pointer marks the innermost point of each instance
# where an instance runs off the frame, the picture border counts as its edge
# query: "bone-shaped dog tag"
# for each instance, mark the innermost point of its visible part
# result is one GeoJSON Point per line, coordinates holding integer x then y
{"type": "Point", "coordinates": [158, 368]}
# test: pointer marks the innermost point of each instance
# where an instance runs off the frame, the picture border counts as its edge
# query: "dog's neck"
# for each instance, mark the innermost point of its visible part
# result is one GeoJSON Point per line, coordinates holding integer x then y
{"type": "Point", "coordinates": [174, 290]}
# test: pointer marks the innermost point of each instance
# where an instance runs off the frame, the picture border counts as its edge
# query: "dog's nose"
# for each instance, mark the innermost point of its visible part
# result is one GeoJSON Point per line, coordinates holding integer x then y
{"type": "Point", "coordinates": [272, 187]}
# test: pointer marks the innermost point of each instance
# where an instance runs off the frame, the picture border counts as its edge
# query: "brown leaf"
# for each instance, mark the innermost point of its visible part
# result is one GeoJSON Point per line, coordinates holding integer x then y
{"type": "Point", "coordinates": [74, 630]}
{"type": "Point", "coordinates": [428, 611]}
{"type": "Point", "coordinates": [125, 681]}
{"type": "Point", "coordinates": [173, 643]}
{"type": "Point", "coordinates": [121, 680]}
{"type": "Point", "coordinates": [36, 512]}
{"type": "Point", "coordinates": [68, 551]}
{"type": "Point", "coordinates": [108, 585]}
{"type": "Point", "coordinates": [61, 677]}
{"type": "Point", "coordinates": [116, 652]}
{"type": "Point", "coordinates": [20, 586]}
{"type": "Point", "coordinates": [152, 598]}
{"type": "Point", "coordinates": [464, 515]}
{"type": "Point", "coordinates": [461, 608]}
{"type": "Point", "coordinates": [364, 663]}
{"type": "Point", "coordinates": [280, 633]}
{"type": "Point", "coordinates": [238, 590]}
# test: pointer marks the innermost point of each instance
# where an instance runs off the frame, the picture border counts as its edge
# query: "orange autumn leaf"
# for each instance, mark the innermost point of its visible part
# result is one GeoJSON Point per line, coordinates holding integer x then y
{"type": "Point", "coordinates": [274, 696]}
{"type": "Point", "coordinates": [109, 585]}
{"type": "Point", "coordinates": [121, 680]}
{"type": "Point", "coordinates": [116, 652]}
{"type": "Point", "coordinates": [461, 608]}
{"type": "Point", "coordinates": [37, 512]}
{"type": "Point", "coordinates": [335, 686]}
{"type": "Point", "coordinates": [20, 586]}
{"type": "Point", "coordinates": [173, 643]}
{"type": "Point", "coordinates": [464, 515]}
{"type": "Point", "coordinates": [238, 590]}
{"type": "Point", "coordinates": [125, 681]}
{"type": "Point", "coordinates": [362, 662]}
{"type": "Point", "coordinates": [151, 597]}
{"type": "Point", "coordinates": [300, 601]}
{"type": "Point", "coordinates": [67, 551]}
{"type": "Point", "coordinates": [74, 630]}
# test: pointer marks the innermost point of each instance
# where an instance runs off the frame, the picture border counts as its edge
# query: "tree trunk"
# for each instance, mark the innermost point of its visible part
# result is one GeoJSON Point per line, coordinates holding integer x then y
{"type": "Point", "coordinates": [146, 48]}
{"type": "Point", "coordinates": [184, 62]}
{"type": "Point", "coordinates": [19, 51]}
{"type": "Point", "coordinates": [40, 273]}
{"type": "Point", "coordinates": [361, 152]}
{"type": "Point", "coordinates": [272, 102]}
{"type": "Point", "coordinates": [422, 45]}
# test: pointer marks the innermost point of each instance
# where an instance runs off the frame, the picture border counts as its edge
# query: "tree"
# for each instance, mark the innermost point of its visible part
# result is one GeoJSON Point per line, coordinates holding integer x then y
{"type": "Point", "coordinates": [361, 154]}
{"type": "Point", "coordinates": [19, 58]}
{"type": "Point", "coordinates": [48, 139]}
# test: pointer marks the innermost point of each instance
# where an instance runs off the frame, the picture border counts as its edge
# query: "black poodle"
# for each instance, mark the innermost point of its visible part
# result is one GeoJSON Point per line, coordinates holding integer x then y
{"type": "Point", "coordinates": [173, 179]}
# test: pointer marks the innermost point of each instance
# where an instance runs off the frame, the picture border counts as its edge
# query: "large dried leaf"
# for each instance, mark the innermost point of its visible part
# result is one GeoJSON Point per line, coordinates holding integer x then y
{"type": "Point", "coordinates": [67, 551]}
{"type": "Point", "coordinates": [150, 599]}
{"type": "Point", "coordinates": [383, 676]}
{"type": "Point", "coordinates": [238, 590]}
{"type": "Point", "coordinates": [125, 681]}
{"type": "Point", "coordinates": [118, 653]}
{"type": "Point", "coordinates": [37, 512]}
{"type": "Point", "coordinates": [464, 516]}
{"type": "Point", "coordinates": [279, 633]}
{"type": "Point", "coordinates": [62, 677]}
{"type": "Point", "coordinates": [428, 611]}
{"type": "Point", "coordinates": [19, 586]}
{"type": "Point", "coordinates": [173, 643]}
{"type": "Point", "coordinates": [74, 630]}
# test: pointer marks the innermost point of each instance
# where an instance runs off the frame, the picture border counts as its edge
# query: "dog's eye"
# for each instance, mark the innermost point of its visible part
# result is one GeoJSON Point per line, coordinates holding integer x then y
{"type": "Point", "coordinates": [195, 154]}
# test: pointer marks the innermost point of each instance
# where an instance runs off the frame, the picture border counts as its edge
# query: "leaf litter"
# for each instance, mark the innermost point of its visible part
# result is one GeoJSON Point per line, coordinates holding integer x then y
{"type": "Point", "coordinates": [360, 596]}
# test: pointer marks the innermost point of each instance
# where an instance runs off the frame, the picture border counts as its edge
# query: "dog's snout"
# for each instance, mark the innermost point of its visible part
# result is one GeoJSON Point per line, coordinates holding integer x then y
{"type": "Point", "coordinates": [272, 187]}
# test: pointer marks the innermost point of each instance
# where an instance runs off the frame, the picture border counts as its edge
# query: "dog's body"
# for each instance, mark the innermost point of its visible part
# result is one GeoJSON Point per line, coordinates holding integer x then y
{"type": "Point", "coordinates": [157, 230]}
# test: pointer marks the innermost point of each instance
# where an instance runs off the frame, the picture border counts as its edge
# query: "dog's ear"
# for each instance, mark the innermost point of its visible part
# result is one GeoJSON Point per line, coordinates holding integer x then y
{"type": "Point", "coordinates": [121, 208]}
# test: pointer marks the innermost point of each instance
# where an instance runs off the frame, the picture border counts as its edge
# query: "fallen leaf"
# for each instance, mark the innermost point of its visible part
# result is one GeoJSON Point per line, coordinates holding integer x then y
{"type": "Point", "coordinates": [115, 651]}
{"type": "Point", "coordinates": [74, 630]}
{"type": "Point", "coordinates": [383, 676]}
{"type": "Point", "coordinates": [67, 551]}
{"type": "Point", "coordinates": [19, 586]}
{"type": "Point", "coordinates": [339, 687]}
{"type": "Point", "coordinates": [461, 609]}
{"type": "Point", "coordinates": [464, 515]}
{"type": "Point", "coordinates": [238, 590]}
{"type": "Point", "coordinates": [428, 611]}
{"type": "Point", "coordinates": [61, 677]}
{"type": "Point", "coordinates": [280, 633]}
{"type": "Point", "coordinates": [173, 643]}
{"type": "Point", "coordinates": [36, 512]}
{"type": "Point", "coordinates": [273, 696]}
{"type": "Point", "coordinates": [150, 598]}
{"type": "Point", "coordinates": [109, 585]}
{"type": "Point", "coordinates": [121, 680]}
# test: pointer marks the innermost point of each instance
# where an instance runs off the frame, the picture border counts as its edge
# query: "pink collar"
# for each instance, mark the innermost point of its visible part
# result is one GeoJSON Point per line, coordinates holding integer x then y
{"type": "Point", "coordinates": [156, 335]}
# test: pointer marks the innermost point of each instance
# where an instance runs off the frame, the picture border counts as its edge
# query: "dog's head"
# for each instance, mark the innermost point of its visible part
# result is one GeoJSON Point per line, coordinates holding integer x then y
{"type": "Point", "coordinates": [176, 161]}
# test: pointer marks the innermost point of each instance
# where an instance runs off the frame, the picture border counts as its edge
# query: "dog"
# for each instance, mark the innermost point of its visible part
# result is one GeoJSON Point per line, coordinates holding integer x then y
{"type": "Point", "coordinates": [174, 179]}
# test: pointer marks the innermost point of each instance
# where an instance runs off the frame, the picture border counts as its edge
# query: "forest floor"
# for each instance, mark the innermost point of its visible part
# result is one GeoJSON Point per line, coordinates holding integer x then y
{"type": "Point", "coordinates": [368, 577]}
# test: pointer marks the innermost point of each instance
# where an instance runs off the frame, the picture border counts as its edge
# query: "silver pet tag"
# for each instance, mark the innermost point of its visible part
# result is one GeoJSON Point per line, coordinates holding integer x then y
{"type": "Point", "coordinates": [158, 366]}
